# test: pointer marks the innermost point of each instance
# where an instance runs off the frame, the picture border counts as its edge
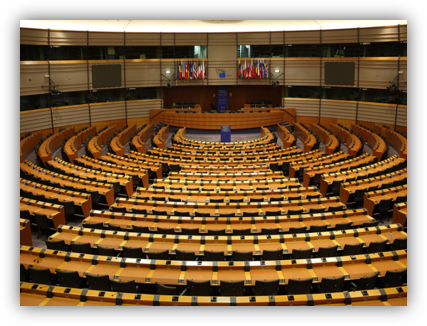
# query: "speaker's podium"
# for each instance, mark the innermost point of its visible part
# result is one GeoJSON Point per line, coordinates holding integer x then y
{"type": "Point", "coordinates": [225, 133]}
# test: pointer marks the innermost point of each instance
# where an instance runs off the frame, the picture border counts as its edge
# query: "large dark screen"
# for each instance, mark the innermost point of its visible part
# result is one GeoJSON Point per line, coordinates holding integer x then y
{"type": "Point", "coordinates": [107, 75]}
{"type": "Point", "coordinates": [339, 73]}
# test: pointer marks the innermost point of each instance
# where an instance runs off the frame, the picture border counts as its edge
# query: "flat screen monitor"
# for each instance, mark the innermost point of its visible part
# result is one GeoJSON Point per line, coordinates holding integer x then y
{"type": "Point", "coordinates": [339, 73]}
{"type": "Point", "coordinates": [108, 75]}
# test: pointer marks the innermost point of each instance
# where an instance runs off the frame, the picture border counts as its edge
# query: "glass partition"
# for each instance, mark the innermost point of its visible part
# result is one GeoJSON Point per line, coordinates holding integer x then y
{"type": "Point", "coordinates": [340, 93]}
{"type": "Point", "coordinates": [340, 50]}
{"type": "Point", "coordinates": [303, 91]}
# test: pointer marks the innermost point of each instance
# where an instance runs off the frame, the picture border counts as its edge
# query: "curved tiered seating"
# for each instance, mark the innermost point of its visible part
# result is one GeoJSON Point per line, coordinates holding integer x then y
{"type": "Point", "coordinates": [219, 222]}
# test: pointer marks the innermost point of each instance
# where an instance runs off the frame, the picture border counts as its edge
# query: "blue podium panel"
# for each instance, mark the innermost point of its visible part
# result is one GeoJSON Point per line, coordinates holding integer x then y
{"type": "Point", "coordinates": [222, 97]}
{"type": "Point", "coordinates": [225, 133]}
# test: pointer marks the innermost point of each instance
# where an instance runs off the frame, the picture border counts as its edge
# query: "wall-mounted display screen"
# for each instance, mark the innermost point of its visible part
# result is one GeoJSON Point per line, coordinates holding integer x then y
{"type": "Point", "coordinates": [339, 73]}
{"type": "Point", "coordinates": [109, 75]}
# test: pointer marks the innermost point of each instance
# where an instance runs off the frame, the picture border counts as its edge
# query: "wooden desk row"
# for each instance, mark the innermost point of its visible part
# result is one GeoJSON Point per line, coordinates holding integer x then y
{"type": "Point", "coordinates": [199, 244]}
{"type": "Point", "coordinates": [46, 295]}
{"type": "Point", "coordinates": [373, 199]}
{"type": "Point", "coordinates": [142, 137]}
{"type": "Point", "coordinates": [73, 144]}
{"type": "Point", "coordinates": [195, 168]}
{"type": "Point", "coordinates": [306, 137]}
{"type": "Point", "coordinates": [253, 224]}
{"type": "Point", "coordinates": [207, 193]}
{"type": "Point", "coordinates": [82, 201]}
{"type": "Point", "coordinates": [266, 137]}
{"type": "Point", "coordinates": [52, 211]}
{"type": "Point", "coordinates": [216, 161]}
{"type": "Point", "coordinates": [27, 145]}
{"type": "Point", "coordinates": [328, 178]}
{"type": "Point", "coordinates": [396, 140]}
{"type": "Point", "coordinates": [141, 174]}
{"type": "Point", "coordinates": [310, 172]}
{"type": "Point", "coordinates": [161, 137]}
{"type": "Point", "coordinates": [96, 143]}
{"type": "Point", "coordinates": [105, 190]}
{"type": "Point", "coordinates": [285, 136]}
{"type": "Point", "coordinates": [153, 165]}
{"type": "Point", "coordinates": [349, 188]}
{"type": "Point", "coordinates": [226, 175]}
{"type": "Point", "coordinates": [173, 272]}
{"type": "Point", "coordinates": [374, 141]}
{"type": "Point", "coordinates": [52, 143]}
{"type": "Point", "coordinates": [126, 182]}
{"type": "Point", "coordinates": [296, 167]}
{"type": "Point", "coordinates": [330, 141]}
{"type": "Point", "coordinates": [400, 212]}
{"type": "Point", "coordinates": [25, 238]}
{"type": "Point", "coordinates": [271, 152]}
{"type": "Point", "coordinates": [234, 209]}
{"type": "Point", "coordinates": [353, 143]}
{"type": "Point", "coordinates": [237, 185]}
{"type": "Point", "coordinates": [223, 149]}
{"type": "Point", "coordinates": [121, 139]}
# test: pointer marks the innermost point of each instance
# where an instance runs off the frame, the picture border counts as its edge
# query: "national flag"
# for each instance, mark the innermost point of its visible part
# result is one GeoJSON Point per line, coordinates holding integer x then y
{"type": "Point", "coordinates": [240, 68]}
{"type": "Point", "coordinates": [195, 70]}
{"type": "Point", "coordinates": [266, 69]}
{"type": "Point", "coordinates": [183, 69]}
{"type": "Point", "coordinates": [177, 70]}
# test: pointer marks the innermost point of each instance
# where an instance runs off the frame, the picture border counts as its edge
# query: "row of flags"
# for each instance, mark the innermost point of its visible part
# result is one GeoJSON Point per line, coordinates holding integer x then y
{"type": "Point", "coordinates": [248, 69]}
{"type": "Point", "coordinates": [253, 69]}
{"type": "Point", "coordinates": [191, 69]}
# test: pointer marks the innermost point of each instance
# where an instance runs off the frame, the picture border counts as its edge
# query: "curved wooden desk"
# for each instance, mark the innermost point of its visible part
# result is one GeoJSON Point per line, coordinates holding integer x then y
{"type": "Point", "coordinates": [216, 120]}
{"type": "Point", "coordinates": [27, 144]}
{"type": "Point", "coordinates": [46, 295]}
{"type": "Point", "coordinates": [73, 144]}
{"type": "Point", "coordinates": [52, 143]}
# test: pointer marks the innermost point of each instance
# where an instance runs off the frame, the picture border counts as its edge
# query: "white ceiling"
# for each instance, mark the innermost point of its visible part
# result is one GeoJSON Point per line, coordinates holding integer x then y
{"type": "Point", "coordinates": [202, 26]}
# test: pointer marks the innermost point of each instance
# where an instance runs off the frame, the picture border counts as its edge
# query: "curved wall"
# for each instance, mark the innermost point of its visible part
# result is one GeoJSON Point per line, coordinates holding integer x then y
{"type": "Point", "coordinates": [76, 75]}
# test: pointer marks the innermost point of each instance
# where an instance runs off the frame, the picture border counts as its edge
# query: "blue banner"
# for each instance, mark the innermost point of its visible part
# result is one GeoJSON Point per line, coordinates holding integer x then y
{"type": "Point", "coordinates": [225, 133]}
{"type": "Point", "coordinates": [222, 97]}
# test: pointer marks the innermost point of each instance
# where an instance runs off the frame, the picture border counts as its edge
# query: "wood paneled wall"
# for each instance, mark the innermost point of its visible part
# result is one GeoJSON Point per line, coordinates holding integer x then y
{"type": "Point", "coordinates": [205, 95]}
{"type": "Point", "coordinates": [97, 114]}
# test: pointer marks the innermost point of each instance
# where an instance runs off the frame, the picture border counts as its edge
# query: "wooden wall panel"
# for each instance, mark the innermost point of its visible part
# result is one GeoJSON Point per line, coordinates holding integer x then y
{"type": "Point", "coordinates": [32, 36]}
{"type": "Point", "coordinates": [378, 34]}
{"type": "Point", "coordinates": [402, 115]}
{"type": "Point", "coordinates": [70, 76]}
{"type": "Point", "coordinates": [167, 39]}
{"type": "Point", "coordinates": [107, 111]}
{"type": "Point", "coordinates": [70, 115]}
{"type": "Point", "coordinates": [106, 39]}
{"type": "Point", "coordinates": [260, 38]}
{"type": "Point", "coordinates": [143, 73]}
{"type": "Point", "coordinates": [32, 77]}
{"type": "Point", "coordinates": [222, 58]}
{"type": "Point", "coordinates": [338, 109]}
{"type": "Point", "coordinates": [222, 39]}
{"type": "Point", "coordinates": [403, 78]}
{"type": "Point", "coordinates": [35, 120]}
{"type": "Point", "coordinates": [204, 95]}
{"type": "Point", "coordinates": [339, 36]}
{"type": "Point", "coordinates": [377, 72]}
{"type": "Point", "coordinates": [142, 39]}
{"type": "Point", "coordinates": [302, 71]}
{"type": "Point", "coordinates": [302, 37]}
{"type": "Point", "coordinates": [141, 109]}
{"type": "Point", "coordinates": [191, 39]}
{"type": "Point", "coordinates": [377, 112]}
{"type": "Point", "coordinates": [303, 107]}
{"type": "Point", "coordinates": [277, 38]}
{"type": "Point", "coordinates": [68, 38]}
{"type": "Point", "coordinates": [403, 33]}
